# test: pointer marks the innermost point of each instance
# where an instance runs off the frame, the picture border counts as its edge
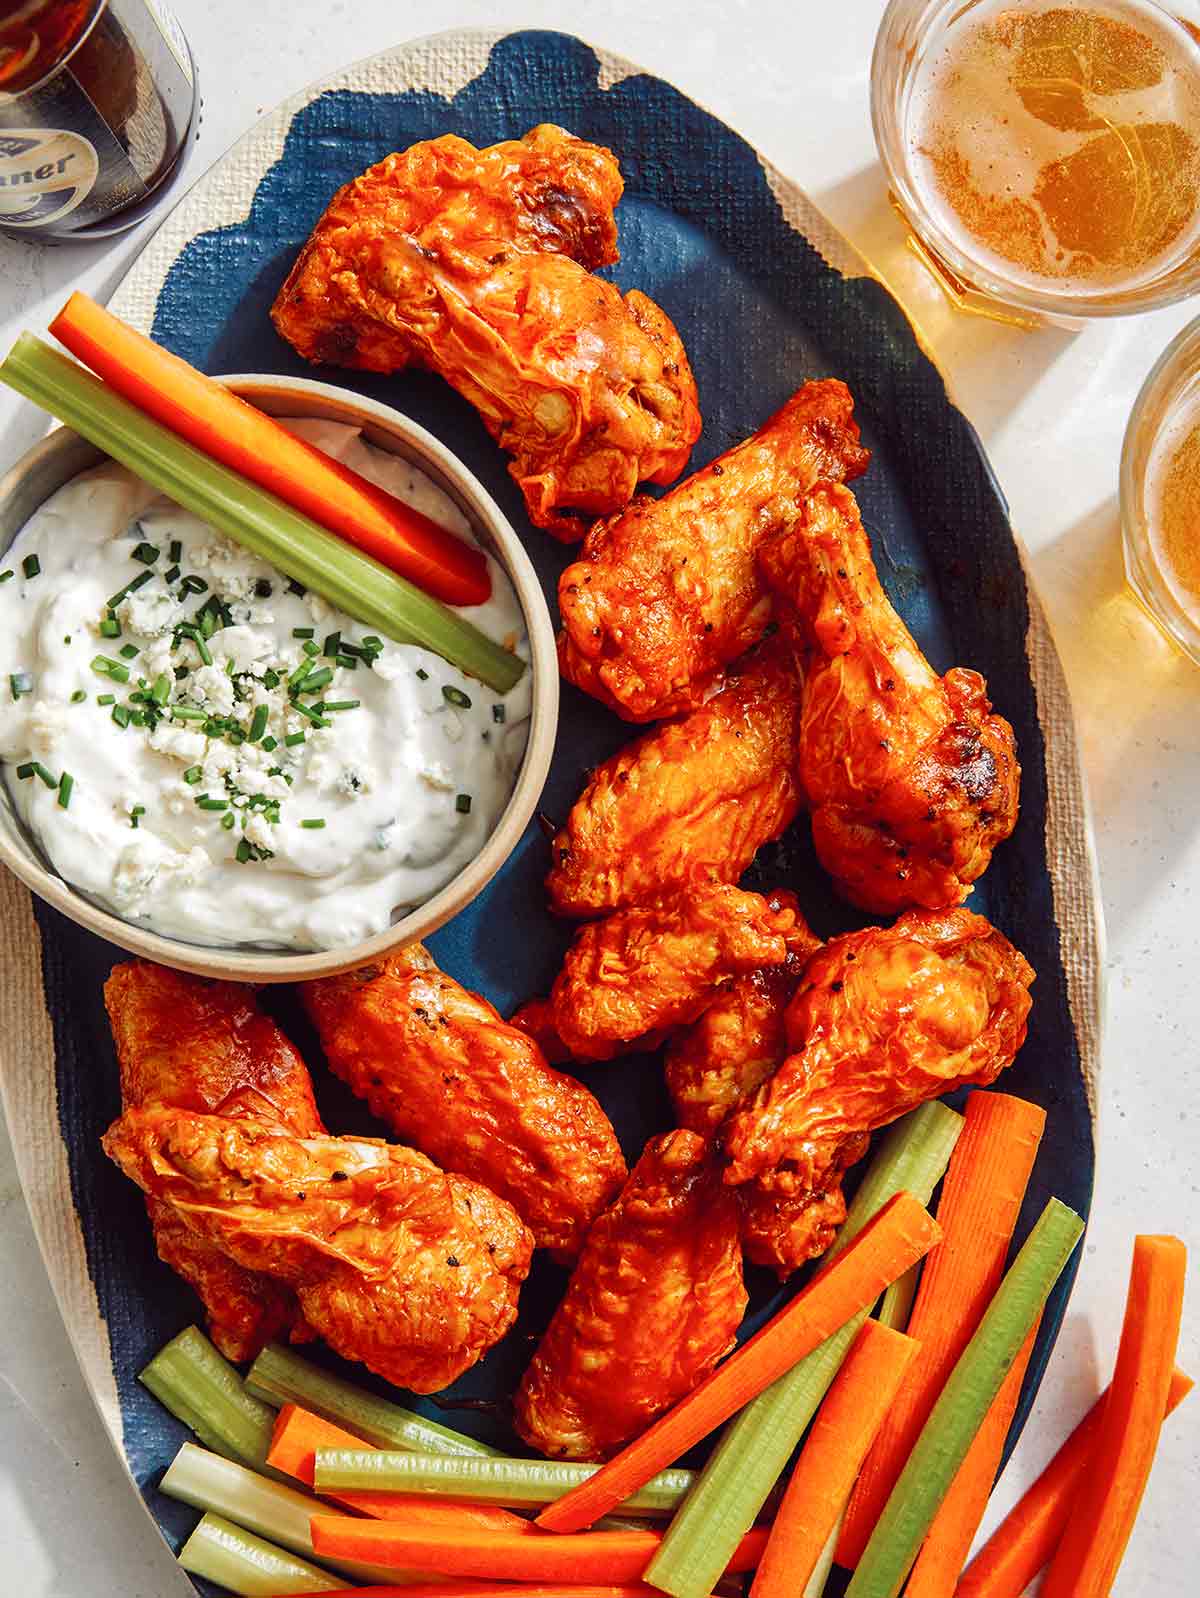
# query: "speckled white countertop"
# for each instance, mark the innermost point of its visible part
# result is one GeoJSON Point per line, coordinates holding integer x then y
{"type": "Point", "coordinates": [1051, 408]}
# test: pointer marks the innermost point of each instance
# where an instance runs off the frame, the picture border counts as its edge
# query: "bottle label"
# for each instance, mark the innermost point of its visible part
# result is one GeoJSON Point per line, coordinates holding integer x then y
{"type": "Point", "coordinates": [45, 173]}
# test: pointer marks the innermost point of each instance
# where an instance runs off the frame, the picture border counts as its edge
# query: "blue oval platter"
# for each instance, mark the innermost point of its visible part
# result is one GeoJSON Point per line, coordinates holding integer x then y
{"type": "Point", "coordinates": [765, 295]}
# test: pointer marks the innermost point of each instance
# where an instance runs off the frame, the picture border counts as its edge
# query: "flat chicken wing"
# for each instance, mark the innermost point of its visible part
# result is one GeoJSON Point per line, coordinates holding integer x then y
{"type": "Point", "coordinates": [439, 1066]}
{"type": "Point", "coordinates": [396, 1264]}
{"type": "Point", "coordinates": [883, 1020]}
{"type": "Point", "coordinates": [911, 780]}
{"type": "Point", "coordinates": [197, 1045]}
{"type": "Point", "coordinates": [691, 800]}
{"type": "Point", "coordinates": [667, 594]}
{"type": "Point", "coordinates": [655, 1301]}
{"type": "Point", "coordinates": [632, 978]}
{"type": "Point", "coordinates": [740, 1038]}
{"type": "Point", "coordinates": [477, 264]}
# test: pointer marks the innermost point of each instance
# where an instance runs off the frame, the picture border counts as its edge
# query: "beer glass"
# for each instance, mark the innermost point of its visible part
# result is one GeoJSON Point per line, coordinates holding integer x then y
{"type": "Point", "coordinates": [1044, 154]}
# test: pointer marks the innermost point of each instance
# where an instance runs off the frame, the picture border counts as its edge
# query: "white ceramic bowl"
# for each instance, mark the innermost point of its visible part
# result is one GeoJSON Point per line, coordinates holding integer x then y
{"type": "Point", "coordinates": [63, 455]}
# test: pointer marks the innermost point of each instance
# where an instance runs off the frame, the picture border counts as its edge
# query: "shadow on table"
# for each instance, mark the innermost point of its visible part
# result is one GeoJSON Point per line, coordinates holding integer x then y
{"type": "Point", "coordinates": [1136, 698]}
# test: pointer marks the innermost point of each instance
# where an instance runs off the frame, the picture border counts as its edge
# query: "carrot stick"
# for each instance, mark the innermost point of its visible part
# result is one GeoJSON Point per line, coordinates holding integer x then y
{"type": "Point", "coordinates": [836, 1446]}
{"type": "Point", "coordinates": [948, 1541]}
{"type": "Point", "coordinates": [981, 1200]}
{"type": "Point", "coordinates": [1025, 1540]}
{"type": "Point", "coordinates": [297, 1436]}
{"type": "Point", "coordinates": [1111, 1488]}
{"type": "Point", "coordinates": [501, 1589]}
{"type": "Point", "coordinates": [901, 1233]}
{"type": "Point", "coordinates": [602, 1557]}
{"type": "Point", "coordinates": [208, 415]}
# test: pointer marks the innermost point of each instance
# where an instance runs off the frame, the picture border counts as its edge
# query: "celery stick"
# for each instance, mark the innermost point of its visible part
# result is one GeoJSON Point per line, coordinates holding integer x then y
{"type": "Point", "coordinates": [896, 1305]}
{"type": "Point", "coordinates": [282, 1514]}
{"type": "Point", "coordinates": [280, 1377]}
{"type": "Point", "coordinates": [963, 1403]}
{"type": "Point", "coordinates": [815, 1587]}
{"type": "Point", "coordinates": [203, 1390]}
{"type": "Point", "coordinates": [248, 1567]}
{"type": "Point", "coordinates": [756, 1445]}
{"type": "Point", "coordinates": [254, 518]}
{"type": "Point", "coordinates": [516, 1483]}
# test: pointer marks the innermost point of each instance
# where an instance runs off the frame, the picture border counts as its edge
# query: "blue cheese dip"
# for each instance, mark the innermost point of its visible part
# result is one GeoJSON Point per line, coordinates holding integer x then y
{"type": "Point", "coordinates": [202, 747]}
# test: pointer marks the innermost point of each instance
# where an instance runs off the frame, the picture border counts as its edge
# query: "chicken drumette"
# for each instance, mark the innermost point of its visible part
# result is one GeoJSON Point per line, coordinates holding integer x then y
{"type": "Point", "coordinates": [911, 780]}
{"type": "Point", "coordinates": [882, 1020]}
{"type": "Point", "coordinates": [206, 1046]}
{"type": "Point", "coordinates": [438, 1064]}
{"type": "Point", "coordinates": [654, 1302]}
{"type": "Point", "coordinates": [629, 980]}
{"type": "Point", "coordinates": [690, 801]}
{"type": "Point", "coordinates": [478, 265]}
{"type": "Point", "coordinates": [666, 594]}
{"type": "Point", "coordinates": [394, 1263]}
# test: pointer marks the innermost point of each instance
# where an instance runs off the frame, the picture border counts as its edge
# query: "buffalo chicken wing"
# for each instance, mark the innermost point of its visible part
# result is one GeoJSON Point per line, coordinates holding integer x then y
{"type": "Point", "coordinates": [629, 980]}
{"type": "Point", "coordinates": [911, 780]}
{"type": "Point", "coordinates": [691, 800]}
{"type": "Point", "coordinates": [654, 1302]}
{"type": "Point", "coordinates": [439, 1066]}
{"type": "Point", "coordinates": [882, 1020]}
{"type": "Point", "coordinates": [207, 1046]}
{"type": "Point", "coordinates": [667, 594]}
{"type": "Point", "coordinates": [477, 264]}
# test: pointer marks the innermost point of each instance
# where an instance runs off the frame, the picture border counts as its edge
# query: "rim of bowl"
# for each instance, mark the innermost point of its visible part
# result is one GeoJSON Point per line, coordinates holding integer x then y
{"type": "Point", "coordinates": [387, 428]}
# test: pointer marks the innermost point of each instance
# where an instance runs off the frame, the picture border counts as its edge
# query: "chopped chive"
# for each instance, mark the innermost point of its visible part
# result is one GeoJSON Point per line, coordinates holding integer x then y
{"type": "Point", "coordinates": [162, 687]}
{"type": "Point", "coordinates": [311, 647]}
{"type": "Point", "coordinates": [312, 714]}
{"type": "Point", "coordinates": [373, 643]}
{"type": "Point", "coordinates": [172, 575]}
{"type": "Point", "coordinates": [146, 553]}
{"type": "Point", "coordinates": [294, 587]}
{"type": "Point", "coordinates": [422, 675]}
{"type": "Point", "coordinates": [31, 566]}
{"type": "Point", "coordinates": [271, 679]}
{"type": "Point", "coordinates": [262, 588]}
{"type": "Point", "coordinates": [189, 713]}
{"type": "Point", "coordinates": [292, 739]}
{"type": "Point", "coordinates": [227, 821]}
{"type": "Point", "coordinates": [300, 673]}
{"type": "Point", "coordinates": [139, 581]}
{"type": "Point", "coordinates": [313, 823]}
{"type": "Point", "coordinates": [47, 777]}
{"type": "Point", "coordinates": [110, 627]}
{"type": "Point", "coordinates": [135, 816]}
{"type": "Point", "coordinates": [455, 696]}
{"type": "Point", "coordinates": [65, 784]}
{"type": "Point", "coordinates": [25, 770]}
{"type": "Point", "coordinates": [139, 718]}
{"type": "Point", "coordinates": [341, 704]}
{"type": "Point", "coordinates": [206, 803]}
{"type": "Point", "coordinates": [78, 697]}
{"type": "Point", "coordinates": [498, 713]}
{"type": "Point", "coordinates": [304, 632]}
{"type": "Point", "coordinates": [7, 576]}
{"type": "Point", "coordinates": [347, 662]}
{"type": "Point", "coordinates": [236, 736]}
{"type": "Point", "coordinates": [333, 644]}
{"type": "Point", "coordinates": [269, 743]}
{"type": "Point", "coordinates": [106, 699]}
{"type": "Point", "coordinates": [258, 723]}
{"type": "Point", "coordinates": [129, 651]}
{"type": "Point", "coordinates": [175, 553]}
{"type": "Point", "coordinates": [20, 683]}
{"type": "Point", "coordinates": [317, 679]}
{"type": "Point", "coordinates": [193, 585]}
{"type": "Point", "coordinates": [462, 803]}
{"type": "Point", "coordinates": [121, 715]}
{"type": "Point", "coordinates": [193, 774]}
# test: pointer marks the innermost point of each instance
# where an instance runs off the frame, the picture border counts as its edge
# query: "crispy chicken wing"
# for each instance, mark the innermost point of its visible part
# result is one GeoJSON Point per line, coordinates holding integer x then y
{"type": "Point", "coordinates": [689, 801]}
{"type": "Point", "coordinates": [655, 1301]}
{"type": "Point", "coordinates": [632, 978]}
{"type": "Point", "coordinates": [414, 1272]}
{"type": "Point", "coordinates": [911, 780]}
{"type": "Point", "coordinates": [740, 1038]}
{"type": "Point", "coordinates": [198, 1045]}
{"type": "Point", "coordinates": [883, 1020]}
{"type": "Point", "coordinates": [666, 594]}
{"type": "Point", "coordinates": [478, 265]}
{"type": "Point", "coordinates": [450, 1077]}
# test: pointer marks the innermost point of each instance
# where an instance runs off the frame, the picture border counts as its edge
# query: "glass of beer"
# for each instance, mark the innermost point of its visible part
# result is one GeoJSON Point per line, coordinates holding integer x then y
{"type": "Point", "coordinates": [1160, 492]}
{"type": "Point", "coordinates": [1044, 154]}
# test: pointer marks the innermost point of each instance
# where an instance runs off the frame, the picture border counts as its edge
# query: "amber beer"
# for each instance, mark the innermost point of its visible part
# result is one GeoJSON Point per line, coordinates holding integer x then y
{"type": "Point", "coordinates": [96, 100]}
{"type": "Point", "coordinates": [1051, 152]}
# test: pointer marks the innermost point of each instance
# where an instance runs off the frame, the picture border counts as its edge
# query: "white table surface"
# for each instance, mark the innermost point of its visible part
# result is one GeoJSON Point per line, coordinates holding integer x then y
{"type": "Point", "coordinates": [1051, 407]}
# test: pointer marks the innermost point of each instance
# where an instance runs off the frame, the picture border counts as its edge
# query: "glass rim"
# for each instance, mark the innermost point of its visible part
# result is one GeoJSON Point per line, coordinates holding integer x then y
{"type": "Point", "coordinates": [977, 275]}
